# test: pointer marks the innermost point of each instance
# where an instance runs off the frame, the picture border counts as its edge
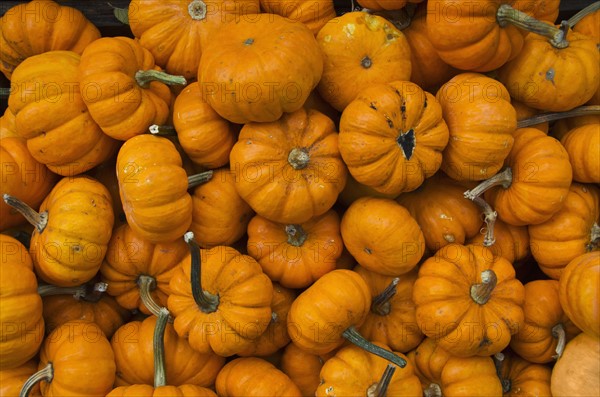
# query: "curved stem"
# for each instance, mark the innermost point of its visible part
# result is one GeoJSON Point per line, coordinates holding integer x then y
{"type": "Point", "coordinates": [558, 332]}
{"type": "Point", "coordinates": [36, 219]}
{"type": "Point", "coordinates": [498, 363]}
{"type": "Point", "coordinates": [594, 237]}
{"type": "Point", "coordinates": [298, 158]}
{"type": "Point", "coordinates": [507, 14]}
{"type": "Point", "coordinates": [158, 344]}
{"type": "Point", "coordinates": [380, 388]}
{"type": "Point", "coordinates": [489, 217]}
{"type": "Point", "coordinates": [481, 292]}
{"type": "Point", "coordinates": [85, 292]}
{"type": "Point", "coordinates": [146, 285]}
{"type": "Point", "coordinates": [162, 130]}
{"type": "Point", "coordinates": [46, 373]}
{"type": "Point", "coordinates": [145, 77]}
{"type": "Point", "coordinates": [583, 13]}
{"type": "Point", "coordinates": [503, 179]}
{"type": "Point", "coordinates": [200, 178]}
{"type": "Point", "coordinates": [353, 336]}
{"type": "Point", "coordinates": [296, 235]}
{"type": "Point", "coordinates": [206, 301]}
{"type": "Point", "coordinates": [590, 110]}
{"type": "Point", "coordinates": [381, 303]}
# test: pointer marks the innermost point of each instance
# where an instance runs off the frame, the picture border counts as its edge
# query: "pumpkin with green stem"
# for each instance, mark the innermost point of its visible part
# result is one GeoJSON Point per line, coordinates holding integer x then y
{"type": "Point", "coordinates": [510, 242]}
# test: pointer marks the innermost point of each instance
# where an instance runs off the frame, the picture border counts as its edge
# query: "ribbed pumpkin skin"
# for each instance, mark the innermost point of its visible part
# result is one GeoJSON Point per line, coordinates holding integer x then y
{"type": "Point", "coordinates": [575, 373]}
{"type": "Point", "coordinates": [583, 146]}
{"type": "Point", "coordinates": [313, 13]}
{"type": "Point", "coordinates": [303, 368]}
{"type": "Point", "coordinates": [39, 26]}
{"type": "Point", "coordinates": [12, 379]}
{"type": "Point", "coordinates": [377, 5]}
{"type": "Point", "coordinates": [526, 378]}
{"type": "Point", "coordinates": [161, 391]}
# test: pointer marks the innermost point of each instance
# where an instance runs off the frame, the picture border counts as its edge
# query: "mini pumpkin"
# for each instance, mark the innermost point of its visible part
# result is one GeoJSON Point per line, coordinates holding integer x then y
{"type": "Point", "coordinates": [583, 145]}
{"type": "Point", "coordinates": [303, 368]}
{"type": "Point", "coordinates": [12, 379]}
{"type": "Point", "coordinates": [313, 13]}
{"type": "Point", "coordinates": [575, 373]}
{"type": "Point", "coordinates": [521, 377]}
{"type": "Point", "coordinates": [510, 242]}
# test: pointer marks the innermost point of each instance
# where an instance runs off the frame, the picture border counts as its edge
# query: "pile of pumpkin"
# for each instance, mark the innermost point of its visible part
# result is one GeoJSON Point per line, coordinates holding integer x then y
{"type": "Point", "coordinates": [269, 199]}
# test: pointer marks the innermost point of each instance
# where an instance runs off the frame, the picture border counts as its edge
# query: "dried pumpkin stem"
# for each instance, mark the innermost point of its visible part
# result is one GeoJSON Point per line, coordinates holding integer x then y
{"type": "Point", "coordinates": [583, 13]}
{"type": "Point", "coordinates": [197, 10]}
{"type": "Point", "coordinates": [298, 158]}
{"type": "Point", "coordinates": [158, 344]}
{"type": "Point", "coordinates": [381, 303]}
{"type": "Point", "coordinates": [590, 110]}
{"type": "Point", "coordinates": [498, 363]}
{"type": "Point", "coordinates": [85, 292]}
{"type": "Point", "coordinates": [146, 285]}
{"type": "Point", "coordinates": [489, 217]}
{"type": "Point", "coordinates": [380, 388]}
{"type": "Point", "coordinates": [46, 373]}
{"type": "Point", "coordinates": [4, 92]}
{"type": "Point", "coordinates": [481, 292]}
{"type": "Point", "coordinates": [36, 219]}
{"type": "Point", "coordinates": [594, 237]}
{"type": "Point", "coordinates": [558, 332]}
{"type": "Point", "coordinates": [503, 179]}
{"type": "Point", "coordinates": [200, 178]}
{"type": "Point", "coordinates": [162, 130]}
{"type": "Point", "coordinates": [206, 301]}
{"type": "Point", "coordinates": [507, 14]}
{"type": "Point", "coordinates": [145, 77]}
{"type": "Point", "coordinates": [296, 235]}
{"type": "Point", "coordinates": [353, 336]}
{"type": "Point", "coordinates": [433, 390]}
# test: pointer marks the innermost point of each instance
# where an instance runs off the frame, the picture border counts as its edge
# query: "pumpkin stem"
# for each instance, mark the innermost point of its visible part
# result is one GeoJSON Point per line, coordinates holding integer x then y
{"type": "Point", "coordinates": [199, 179]}
{"type": "Point", "coordinates": [145, 77]}
{"type": "Point", "coordinates": [507, 14]}
{"type": "Point", "coordinates": [590, 110]}
{"type": "Point", "coordinates": [206, 301]}
{"type": "Point", "coordinates": [197, 10]}
{"type": "Point", "coordinates": [433, 390]}
{"type": "Point", "coordinates": [380, 388]}
{"type": "Point", "coordinates": [46, 373]}
{"type": "Point", "coordinates": [481, 292]}
{"type": "Point", "coordinates": [146, 285]}
{"type": "Point", "coordinates": [353, 336]}
{"type": "Point", "coordinates": [558, 332]}
{"type": "Point", "coordinates": [489, 217]}
{"type": "Point", "coordinates": [583, 13]}
{"type": "Point", "coordinates": [162, 130]}
{"type": "Point", "coordinates": [296, 235]}
{"type": "Point", "coordinates": [158, 344]}
{"type": "Point", "coordinates": [39, 220]}
{"type": "Point", "coordinates": [498, 363]}
{"type": "Point", "coordinates": [503, 178]}
{"type": "Point", "coordinates": [381, 303]}
{"type": "Point", "coordinates": [85, 292]}
{"type": "Point", "coordinates": [298, 158]}
{"type": "Point", "coordinates": [594, 237]}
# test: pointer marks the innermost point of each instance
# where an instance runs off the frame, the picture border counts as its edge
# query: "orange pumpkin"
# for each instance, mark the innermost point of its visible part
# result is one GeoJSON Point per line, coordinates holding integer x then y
{"type": "Point", "coordinates": [468, 300]}
{"type": "Point", "coordinates": [40, 26]}
{"type": "Point", "coordinates": [583, 146]}
{"type": "Point", "coordinates": [382, 236]}
{"type": "Point", "coordinates": [289, 171]}
{"type": "Point", "coordinates": [392, 136]}
{"type": "Point", "coordinates": [258, 67]}
{"type": "Point", "coordinates": [51, 114]}
{"type": "Point", "coordinates": [575, 373]}
{"type": "Point", "coordinates": [296, 255]}
{"type": "Point", "coordinates": [523, 378]}
{"type": "Point", "coordinates": [303, 368]}
{"type": "Point", "coordinates": [313, 13]}
{"type": "Point", "coordinates": [12, 379]}
{"type": "Point", "coordinates": [360, 49]}
{"type": "Point", "coordinates": [510, 242]}
{"type": "Point", "coordinates": [354, 190]}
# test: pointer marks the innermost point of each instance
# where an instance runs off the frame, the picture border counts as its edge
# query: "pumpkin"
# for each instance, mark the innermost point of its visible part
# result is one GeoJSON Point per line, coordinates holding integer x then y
{"type": "Point", "coordinates": [444, 374]}
{"type": "Point", "coordinates": [296, 255]}
{"type": "Point", "coordinates": [21, 321]}
{"type": "Point", "coordinates": [382, 236]}
{"type": "Point", "coordinates": [22, 176]}
{"type": "Point", "coordinates": [289, 171]}
{"type": "Point", "coordinates": [178, 32]}
{"type": "Point", "coordinates": [72, 230]}
{"type": "Point", "coordinates": [40, 26]}
{"type": "Point", "coordinates": [588, 25]}
{"type": "Point", "coordinates": [118, 83]}
{"type": "Point", "coordinates": [376, 5]}
{"type": "Point", "coordinates": [133, 346]}
{"type": "Point", "coordinates": [222, 301]}
{"type": "Point", "coordinates": [355, 372]}
{"type": "Point", "coordinates": [91, 304]}
{"type": "Point", "coordinates": [441, 211]}
{"type": "Point", "coordinates": [105, 174]}
{"type": "Point", "coordinates": [206, 137]}
{"type": "Point", "coordinates": [583, 145]}
{"type": "Point", "coordinates": [510, 242]}
{"type": "Point", "coordinates": [481, 122]}
{"type": "Point", "coordinates": [359, 50]}
{"type": "Point", "coordinates": [534, 183]}
{"type": "Point", "coordinates": [219, 215]}
{"type": "Point", "coordinates": [578, 292]}
{"type": "Point", "coordinates": [75, 360]}
{"type": "Point", "coordinates": [392, 136]}
{"type": "Point", "coordinates": [253, 376]}
{"type": "Point", "coordinates": [468, 300]}
{"type": "Point", "coordinates": [574, 374]}
{"type": "Point", "coordinates": [564, 125]}
{"type": "Point", "coordinates": [521, 377]}
{"type": "Point", "coordinates": [547, 83]}
{"type": "Point", "coordinates": [547, 328]}
{"type": "Point", "coordinates": [303, 368]}
{"type": "Point", "coordinates": [571, 231]}
{"type": "Point", "coordinates": [313, 13]}
{"type": "Point", "coordinates": [12, 379]}
{"type": "Point", "coordinates": [354, 190]}
{"type": "Point", "coordinates": [242, 85]}
{"type": "Point", "coordinates": [153, 188]}
{"type": "Point", "coordinates": [391, 320]}
{"type": "Point", "coordinates": [544, 10]}
{"type": "Point", "coordinates": [138, 272]}
{"type": "Point", "coordinates": [51, 114]}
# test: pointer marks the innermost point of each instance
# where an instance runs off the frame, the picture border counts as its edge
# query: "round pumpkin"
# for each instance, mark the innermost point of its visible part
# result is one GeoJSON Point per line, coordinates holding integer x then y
{"type": "Point", "coordinates": [12, 379]}
{"type": "Point", "coordinates": [313, 13]}
{"type": "Point", "coordinates": [583, 146]}
{"type": "Point", "coordinates": [521, 377]}
{"type": "Point", "coordinates": [574, 375]}
{"type": "Point", "coordinates": [392, 136]}
{"type": "Point", "coordinates": [258, 67]}
{"type": "Point", "coordinates": [303, 368]}
{"type": "Point", "coordinates": [359, 50]}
